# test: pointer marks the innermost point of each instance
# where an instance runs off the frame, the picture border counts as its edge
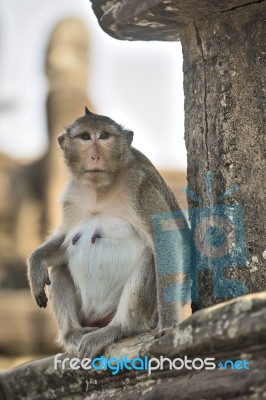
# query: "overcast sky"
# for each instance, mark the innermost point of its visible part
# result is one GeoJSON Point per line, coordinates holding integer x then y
{"type": "Point", "coordinates": [140, 86]}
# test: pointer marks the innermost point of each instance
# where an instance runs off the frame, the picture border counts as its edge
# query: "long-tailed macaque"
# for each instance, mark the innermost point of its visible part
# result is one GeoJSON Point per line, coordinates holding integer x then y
{"type": "Point", "coordinates": [104, 284]}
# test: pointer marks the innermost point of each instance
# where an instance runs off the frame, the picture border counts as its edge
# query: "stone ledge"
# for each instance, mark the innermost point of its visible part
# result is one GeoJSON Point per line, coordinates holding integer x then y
{"type": "Point", "coordinates": [156, 20]}
{"type": "Point", "coordinates": [232, 330]}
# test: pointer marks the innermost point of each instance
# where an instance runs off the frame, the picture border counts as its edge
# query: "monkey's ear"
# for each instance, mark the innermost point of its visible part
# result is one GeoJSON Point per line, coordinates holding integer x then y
{"type": "Point", "coordinates": [87, 111]}
{"type": "Point", "coordinates": [130, 135]}
{"type": "Point", "coordinates": [61, 138]}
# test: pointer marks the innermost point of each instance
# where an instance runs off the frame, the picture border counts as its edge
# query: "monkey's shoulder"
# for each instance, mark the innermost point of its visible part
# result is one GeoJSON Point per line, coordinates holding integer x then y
{"type": "Point", "coordinates": [150, 187]}
{"type": "Point", "coordinates": [143, 168]}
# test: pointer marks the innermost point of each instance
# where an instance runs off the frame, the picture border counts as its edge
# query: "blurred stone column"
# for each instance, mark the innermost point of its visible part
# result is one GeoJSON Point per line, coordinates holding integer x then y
{"type": "Point", "coordinates": [67, 67]}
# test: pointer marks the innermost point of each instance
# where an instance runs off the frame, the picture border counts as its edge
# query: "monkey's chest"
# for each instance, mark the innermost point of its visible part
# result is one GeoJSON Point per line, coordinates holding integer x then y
{"type": "Point", "coordinates": [102, 253]}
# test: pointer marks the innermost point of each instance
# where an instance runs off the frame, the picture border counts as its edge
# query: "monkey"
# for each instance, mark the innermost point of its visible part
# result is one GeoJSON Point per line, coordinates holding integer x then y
{"type": "Point", "coordinates": [102, 278]}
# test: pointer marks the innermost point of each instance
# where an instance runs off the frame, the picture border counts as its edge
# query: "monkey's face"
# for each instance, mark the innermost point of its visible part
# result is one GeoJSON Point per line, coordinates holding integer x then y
{"type": "Point", "coordinates": [95, 148]}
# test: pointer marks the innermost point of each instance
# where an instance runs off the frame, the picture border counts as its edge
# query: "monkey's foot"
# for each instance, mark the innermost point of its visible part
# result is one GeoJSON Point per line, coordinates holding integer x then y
{"type": "Point", "coordinates": [95, 342]}
{"type": "Point", "coordinates": [71, 339]}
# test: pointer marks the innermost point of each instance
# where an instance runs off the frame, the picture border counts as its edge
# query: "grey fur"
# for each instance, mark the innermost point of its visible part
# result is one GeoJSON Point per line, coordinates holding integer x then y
{"type": "Point", "coordinates": [128, 192]}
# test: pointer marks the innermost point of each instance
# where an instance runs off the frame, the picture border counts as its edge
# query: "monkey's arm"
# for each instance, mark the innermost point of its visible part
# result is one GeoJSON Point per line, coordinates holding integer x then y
{"type": "Point", "coordinates": [51, 252]}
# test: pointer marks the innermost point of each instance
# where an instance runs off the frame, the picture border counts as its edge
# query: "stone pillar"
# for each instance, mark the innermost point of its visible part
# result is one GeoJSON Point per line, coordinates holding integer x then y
{"type": "Point", "coordinates": [67, 70]}
{"type": "Point", "coordinates": [224, 85]}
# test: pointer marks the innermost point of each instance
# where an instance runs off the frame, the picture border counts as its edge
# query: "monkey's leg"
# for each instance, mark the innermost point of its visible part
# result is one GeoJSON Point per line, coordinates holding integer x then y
{"type": "Point", "coordinates": [135, 313]}
{"type": "Point", "coordinates": [174, 287]}
{"type": "Point", "coordinates": [66, 309]}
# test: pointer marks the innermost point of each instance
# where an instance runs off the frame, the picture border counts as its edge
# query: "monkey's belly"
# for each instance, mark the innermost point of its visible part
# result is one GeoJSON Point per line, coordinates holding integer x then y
{"type": "Point", "coordinates": [102, 253]}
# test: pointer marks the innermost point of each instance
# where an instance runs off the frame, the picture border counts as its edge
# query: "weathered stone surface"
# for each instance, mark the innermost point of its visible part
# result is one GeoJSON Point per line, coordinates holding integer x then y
{"type": "Point", "coordinates": [155, 19]}
{"type": "Point", "coordinates": [39, 380]}
{"type": "Point", "coordinates": [224, 85]}
{"type": "Point", "coordinates": [230, 326]}
{"type": "Point", "coordinates": [235, 330]}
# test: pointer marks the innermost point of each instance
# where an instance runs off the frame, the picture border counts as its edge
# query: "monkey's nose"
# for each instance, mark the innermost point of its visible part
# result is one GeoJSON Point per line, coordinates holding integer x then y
{"type": "Point", "coordinates": [95, 157]}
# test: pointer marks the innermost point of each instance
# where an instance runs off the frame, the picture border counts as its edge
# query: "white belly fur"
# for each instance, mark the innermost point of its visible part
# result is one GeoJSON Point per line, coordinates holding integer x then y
{"type": "Point", "coordinates": [100, 270]}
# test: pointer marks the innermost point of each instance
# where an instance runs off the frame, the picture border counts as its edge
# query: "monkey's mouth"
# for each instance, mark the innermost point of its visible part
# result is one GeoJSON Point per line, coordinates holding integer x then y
{"type": "Point", "coordinates": [95, 170]}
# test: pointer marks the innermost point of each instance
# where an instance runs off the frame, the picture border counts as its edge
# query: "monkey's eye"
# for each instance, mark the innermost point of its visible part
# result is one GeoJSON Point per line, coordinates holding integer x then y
{"type": "Point", "coordinates": [104, 135]}
{"type": "Point", "coordinates": [85, 136]}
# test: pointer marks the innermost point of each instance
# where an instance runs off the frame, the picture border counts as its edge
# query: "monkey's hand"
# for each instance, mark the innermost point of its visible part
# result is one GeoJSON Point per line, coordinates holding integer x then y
{"type": "Point", "coordinates": [37, 286]}
{"type": "Point", "coordinates": [38, 278]}
{"type": "Point", "coordinates": [38, 289]}
{"type": "Point", "coordinates": [50, 253]}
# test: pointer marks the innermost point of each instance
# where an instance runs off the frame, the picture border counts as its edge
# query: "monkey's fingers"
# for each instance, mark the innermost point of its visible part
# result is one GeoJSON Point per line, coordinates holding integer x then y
{"type": "Point", "coordinates": [47, 281]}
{"type": "Point", "coordinates": [41, 300]}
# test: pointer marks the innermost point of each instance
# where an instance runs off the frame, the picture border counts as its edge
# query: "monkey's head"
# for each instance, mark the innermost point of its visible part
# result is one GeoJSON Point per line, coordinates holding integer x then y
{"type": "Point", "coordinates": [96, 148]}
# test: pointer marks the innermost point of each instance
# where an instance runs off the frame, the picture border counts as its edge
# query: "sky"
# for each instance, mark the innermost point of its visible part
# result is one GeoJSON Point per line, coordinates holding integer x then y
{"type": "Point", "coordinates": [138, 84]}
